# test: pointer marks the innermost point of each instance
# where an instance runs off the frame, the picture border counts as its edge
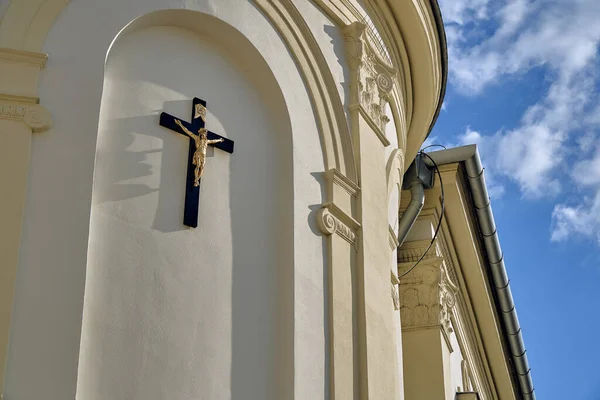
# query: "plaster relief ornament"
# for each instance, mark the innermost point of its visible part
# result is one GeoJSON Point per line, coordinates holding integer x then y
{"type": "Point", "coordinates": [196, 155]}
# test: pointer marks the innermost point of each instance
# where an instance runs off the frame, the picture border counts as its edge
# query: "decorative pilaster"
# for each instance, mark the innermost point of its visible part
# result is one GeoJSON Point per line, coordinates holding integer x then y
{"type": "Point", "coordinates": [336, 221]}
{"type": "Point", "coordinates": [371, 79]}
{"type": "Point", "coordinates": [20, 116]}
{"type": "Point", "coordinates": [336, 214]}
{"type": "Point", "coordinates": [427, 294]}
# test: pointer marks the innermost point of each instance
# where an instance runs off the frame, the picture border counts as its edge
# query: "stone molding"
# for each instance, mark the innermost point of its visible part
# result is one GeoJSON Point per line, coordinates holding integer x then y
{"type": "Point", "coordinates": [26, 109]}
{"type": "Point", "coordinates": [395, 170]}
{"type": "Point", "coordinates": [395, 291]}
{"type": "Point", "coordinates": [394, 243]}
{"type": "Point", "coordinates": [378, 132]}
{"type": "Point", "coordinates": [372, 79]}
{"type": "Point", "coordinates": [410, 252]}
{"type": "Point", "coordinates": [23, 57]}
{"type": "Point", "coordinates": [336, 214]}
{"type": "Point", "coordinates": [334, 131]}
{"type": "Point", "coordinates": [26, 23]}
{"type": "Point", "coordinates": [336, 178]}
{"type": "Point", "coordinates": [332, 220]}
{"type": "Point", "coordinates": [428, 296]}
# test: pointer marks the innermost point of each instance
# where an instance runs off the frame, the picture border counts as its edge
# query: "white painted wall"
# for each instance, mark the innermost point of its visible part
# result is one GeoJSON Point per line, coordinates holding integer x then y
{"type": "Point", "coordinates": [456, 361]}
{"type": "Point", "coordinates": [393, 208]}
{"type": "Point", "coordinates": [171, 311]}
{"type": "Point", "coordinates": [332, 44]}
{"type": "Point", "coordinates": [47, 321]}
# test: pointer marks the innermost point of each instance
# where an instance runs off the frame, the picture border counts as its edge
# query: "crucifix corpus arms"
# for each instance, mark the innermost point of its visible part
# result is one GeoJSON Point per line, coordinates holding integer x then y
{"type": "Point", "coordinates": [202, 142]}
{"type": "Point", "coordinates": [196, 153]}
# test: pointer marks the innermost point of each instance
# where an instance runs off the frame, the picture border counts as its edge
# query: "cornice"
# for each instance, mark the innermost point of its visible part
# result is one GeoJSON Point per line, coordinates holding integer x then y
{"type": "Point", "coordinates": [410, 252]}
{"type": "Point", "coordinates": [337, 178]}
{"type": "Point", "coordinates": [23, 57]}
{"type": "Point", "coordinates": [26, 109]}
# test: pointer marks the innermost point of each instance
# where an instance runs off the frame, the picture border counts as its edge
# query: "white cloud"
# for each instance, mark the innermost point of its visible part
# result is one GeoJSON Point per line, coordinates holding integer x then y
{"type": "Point", "coordinates": [532, 153]}
{"type": "Point", "coordinates": [563, 35]}
{"type": "Point", "coordinates": [562, 38]}
{"type": "Point", "coordinates": [581, 220]}
{"type": "Point", "coordinates": [587, 172]}
{"type": "Point", "coordinates": [462, 11]}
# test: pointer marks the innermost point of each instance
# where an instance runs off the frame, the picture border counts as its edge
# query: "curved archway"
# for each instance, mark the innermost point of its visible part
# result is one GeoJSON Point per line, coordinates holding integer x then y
{"type": "Point", "coordinates": [27, 23]}
{"type": "Point", "coordinates": [164, 302]}
{"type": "Point", "coordinates": [307, 84]}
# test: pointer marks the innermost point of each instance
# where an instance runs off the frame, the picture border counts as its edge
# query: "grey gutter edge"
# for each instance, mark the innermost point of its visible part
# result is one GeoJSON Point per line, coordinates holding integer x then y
{"type": "Point", "coordinates": [469, 156]}
{"type": "Point", "coordinates": [439, 22]}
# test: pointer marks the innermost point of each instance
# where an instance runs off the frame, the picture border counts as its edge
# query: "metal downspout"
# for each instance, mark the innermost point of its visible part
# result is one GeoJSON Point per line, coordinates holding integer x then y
{"type": "Point", "coordinates": [500, 282]}
{"type": "Point", "coordinates": [417, 201]}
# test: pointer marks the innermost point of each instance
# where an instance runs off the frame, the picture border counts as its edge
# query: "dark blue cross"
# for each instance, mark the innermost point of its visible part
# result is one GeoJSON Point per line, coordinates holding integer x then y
{"type": "Point", "coordinates": [192, 193]}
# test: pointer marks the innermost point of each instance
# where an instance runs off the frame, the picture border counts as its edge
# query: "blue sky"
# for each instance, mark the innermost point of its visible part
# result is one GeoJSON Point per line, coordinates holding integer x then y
{"type": "Point", "coordinates": [523, 84]}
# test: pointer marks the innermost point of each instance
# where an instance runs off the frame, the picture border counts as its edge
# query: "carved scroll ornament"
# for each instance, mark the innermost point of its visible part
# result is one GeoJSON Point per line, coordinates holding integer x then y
{"type": "Point", "coordinates": [428, 297]}
{"type": "Point", "coordinates": [25, 109]}
{"type": "Point", "coordinates": [371, 81]}
{"type": "Point", "coordinates": [330, 224]}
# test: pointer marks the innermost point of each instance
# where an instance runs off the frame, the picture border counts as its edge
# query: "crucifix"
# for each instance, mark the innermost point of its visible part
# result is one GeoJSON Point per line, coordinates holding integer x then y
{"type": "Point", "coordinates": [200, 138]}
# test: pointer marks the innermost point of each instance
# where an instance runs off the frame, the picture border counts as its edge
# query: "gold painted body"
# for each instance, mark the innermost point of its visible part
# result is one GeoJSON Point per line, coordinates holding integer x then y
{"type": "Point", "coordinates": [202, 142]}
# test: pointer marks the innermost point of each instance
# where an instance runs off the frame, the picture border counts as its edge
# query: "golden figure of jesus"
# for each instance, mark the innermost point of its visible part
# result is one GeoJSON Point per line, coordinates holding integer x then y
{"type": "Point", "coordinates": [202, 142]}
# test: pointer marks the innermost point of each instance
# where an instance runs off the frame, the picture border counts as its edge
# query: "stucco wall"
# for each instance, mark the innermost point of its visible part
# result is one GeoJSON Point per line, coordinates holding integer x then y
{"type": "Point", "coordinates": [391, 134]}
{"type": "Point", "coordinates": [456, 370]}
{"type": "Point", "coordinates": [331, 42]}
{"type": "Point", "coordinates": [163, 301]}
{"type": "Point", "coordinates": [46, 324]}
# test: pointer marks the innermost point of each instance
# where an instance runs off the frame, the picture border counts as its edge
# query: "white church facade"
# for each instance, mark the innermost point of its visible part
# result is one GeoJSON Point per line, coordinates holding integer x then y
{"type": "Point", "coordinates": [203, 199]}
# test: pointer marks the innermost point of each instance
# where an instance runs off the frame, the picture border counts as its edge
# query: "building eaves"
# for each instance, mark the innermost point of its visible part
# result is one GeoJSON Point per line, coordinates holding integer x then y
{"type": "Point", "coordinates": [468, 156]}
{"type": "Point", "coordinates": [439, 22]}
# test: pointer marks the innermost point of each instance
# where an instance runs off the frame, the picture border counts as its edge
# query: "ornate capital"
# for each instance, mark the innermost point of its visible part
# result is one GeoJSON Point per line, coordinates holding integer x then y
{"type": "Point", "coordinates": [332, 220]}
{"type": "Point", "coordinates": [427, 296]}
{"type": "Point", "coordinates": [372, 80]}
{"type": "Point", "coordinates": [26, 109]}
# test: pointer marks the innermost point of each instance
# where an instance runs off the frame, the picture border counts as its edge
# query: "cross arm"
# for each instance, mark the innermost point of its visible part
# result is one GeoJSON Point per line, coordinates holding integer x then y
{"type": "Point", "coordinates": [225, 145]}
{"type": "Point", "coordinates": [168, 121]}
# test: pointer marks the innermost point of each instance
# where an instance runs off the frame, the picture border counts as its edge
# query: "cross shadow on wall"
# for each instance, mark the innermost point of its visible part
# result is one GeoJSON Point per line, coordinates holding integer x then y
{"type": "Point", "coordinates": [138, 157]}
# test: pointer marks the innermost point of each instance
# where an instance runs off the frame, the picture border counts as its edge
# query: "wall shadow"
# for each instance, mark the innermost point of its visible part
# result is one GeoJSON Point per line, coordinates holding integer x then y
{"type": "Point", "coordinates": [312, 223]}
{"type": "Point", "coordinates": [262, 284]}
{"type": "Point", "coordinates": [115, 183]}
{"type": "Point", "coordinates": [338, 44]}
{"type": "Point", "coordinates": [262, 235]}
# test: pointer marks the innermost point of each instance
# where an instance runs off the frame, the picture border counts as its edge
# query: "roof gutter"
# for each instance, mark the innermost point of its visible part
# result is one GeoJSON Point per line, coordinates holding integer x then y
{"type": "Point", "coordinates": [439, 22]}
{"type": "Point", "coordinates": [469, 157]}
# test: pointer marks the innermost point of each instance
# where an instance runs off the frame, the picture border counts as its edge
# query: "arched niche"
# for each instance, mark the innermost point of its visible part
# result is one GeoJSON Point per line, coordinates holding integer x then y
{"type": "Point", "coordinates": [171, 311]}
